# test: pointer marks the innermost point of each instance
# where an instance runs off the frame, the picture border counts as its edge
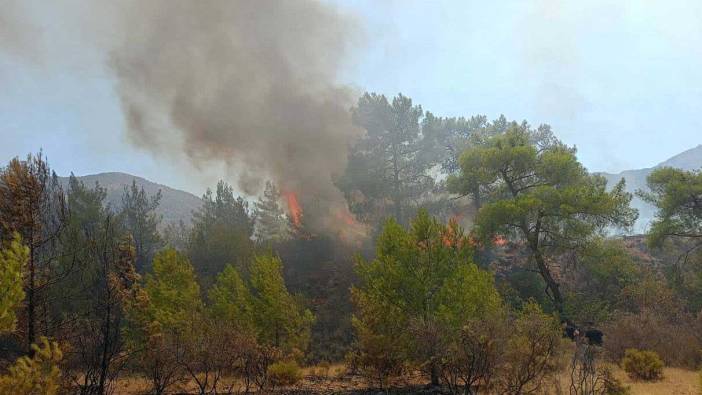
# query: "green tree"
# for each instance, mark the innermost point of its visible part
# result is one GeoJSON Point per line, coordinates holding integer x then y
{"type": "Point", "coordinates": [280, 319]}
{"type": "Point", "coordinates": [387, 166]}
{"type": "Point", "coordinates": [97, 256]}
{"type": "Point", "coordinates": [605, 269]}
{"type": "Point", "coordinates": [172, 288]}
{"type": "Point", "coordinates": [38, 374]}
{"type": "Point", "coordinates": [221, 233]}
{"type": "Point", "coordinates": [540, 195]}
{"type": "Point", "coordinates": [677, 194]}
{"type": "Point", "coordinates": [138, 214]}
{"type": "Point", "coordinates": [418, 293]}
{"type": "Point", "coordinates": [32, 203]}
{"type": "Point", "coordinates": [231, 300]}
{"type": "Point", "coordinates": [160, 315]}
{"type": "Point", "coordinates": [271, 222]}
{"type": "Point", "coordinates": [13, 260]}
{"type": "Point", "coordinates": [456, 135]}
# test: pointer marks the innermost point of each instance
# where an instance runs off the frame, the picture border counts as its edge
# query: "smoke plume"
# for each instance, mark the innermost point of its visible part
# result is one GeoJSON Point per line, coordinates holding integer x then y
{"type": "Point", "coordinates": [251, 84]}
{"type": "Point", "coordinates": [248, 83]}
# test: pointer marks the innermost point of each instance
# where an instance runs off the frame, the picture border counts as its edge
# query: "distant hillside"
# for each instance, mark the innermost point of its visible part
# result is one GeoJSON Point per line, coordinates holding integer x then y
{"type": "Point", "coordinates": [636, 179]}
{"type": "Point", "coordinates": [176, 205]}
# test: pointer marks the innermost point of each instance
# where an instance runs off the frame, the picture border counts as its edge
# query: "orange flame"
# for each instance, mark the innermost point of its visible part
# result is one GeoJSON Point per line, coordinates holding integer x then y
{"type": "Point", "coordinates": [294, 208]}
{"type": "Point", "coordinates": [499, 241]}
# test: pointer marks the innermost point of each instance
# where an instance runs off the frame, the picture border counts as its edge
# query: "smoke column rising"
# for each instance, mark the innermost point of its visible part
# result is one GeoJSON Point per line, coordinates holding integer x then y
{"type": "Point", "coordinates": [248, 84]}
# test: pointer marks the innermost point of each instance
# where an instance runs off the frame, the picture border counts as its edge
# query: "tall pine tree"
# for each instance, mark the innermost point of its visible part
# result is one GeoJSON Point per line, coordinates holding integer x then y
{"type": "Point", "coordinates": [272, 225]}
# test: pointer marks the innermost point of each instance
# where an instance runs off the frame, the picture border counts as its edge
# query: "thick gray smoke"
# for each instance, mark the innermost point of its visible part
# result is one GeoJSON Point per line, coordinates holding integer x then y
{"type": "Point", "coordinates": [248, 83]}
{"type": "Point", "coordinates": [251, 84]}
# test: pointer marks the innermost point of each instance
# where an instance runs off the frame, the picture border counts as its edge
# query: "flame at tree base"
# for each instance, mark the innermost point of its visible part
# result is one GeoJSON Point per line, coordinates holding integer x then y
{"type": "Point", "coordinates": [338, 220]}
{"type": "Point", "coordinates": [294, 209]}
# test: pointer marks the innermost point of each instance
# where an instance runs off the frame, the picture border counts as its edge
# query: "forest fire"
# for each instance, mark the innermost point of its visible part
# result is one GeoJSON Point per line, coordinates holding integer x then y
{"type": "Point", "coordinates": [347, 228]}
{"type": "Point", "coordinates": [294, 208]}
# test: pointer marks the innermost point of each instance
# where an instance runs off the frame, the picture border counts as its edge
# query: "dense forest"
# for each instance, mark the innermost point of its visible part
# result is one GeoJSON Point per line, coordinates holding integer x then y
{"type": "Point", "coordinates": [479, 256]}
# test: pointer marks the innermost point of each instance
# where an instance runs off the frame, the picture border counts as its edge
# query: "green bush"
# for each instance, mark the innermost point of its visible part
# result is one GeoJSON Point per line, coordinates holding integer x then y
{"type": "Point", "coordinates": [642, 364]}
{"type": "Point", "coordinates": [284, 373]}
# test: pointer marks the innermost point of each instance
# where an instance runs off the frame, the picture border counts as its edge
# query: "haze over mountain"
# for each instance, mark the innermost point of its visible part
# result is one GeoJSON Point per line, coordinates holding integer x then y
{"type": "Point", "coordinates": [175, 206]}
{"type": "Point", "coordinates": [636, 180]}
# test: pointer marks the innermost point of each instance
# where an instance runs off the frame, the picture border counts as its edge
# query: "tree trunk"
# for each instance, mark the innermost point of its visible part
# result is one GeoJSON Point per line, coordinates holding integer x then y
{"type": "Point", "coordinates": [435, 382]}
{"type": "Point", "coordinates": [551, 284]}
{"type": "Point", "coordinates": [31, 302]}
{"type": "Point", "coordinates": [396, 187]}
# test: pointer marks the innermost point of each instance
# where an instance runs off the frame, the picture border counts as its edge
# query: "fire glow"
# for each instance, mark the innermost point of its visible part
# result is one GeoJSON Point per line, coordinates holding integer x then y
{"type": "Point", "coordinates": [294, 208]}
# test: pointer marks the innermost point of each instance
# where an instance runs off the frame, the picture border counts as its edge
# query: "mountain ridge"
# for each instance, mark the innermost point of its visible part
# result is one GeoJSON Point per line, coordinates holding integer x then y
{"type": "Point", "coordinates": [176, 205]}
{"type": "Point", "coordinates": [690, 159]}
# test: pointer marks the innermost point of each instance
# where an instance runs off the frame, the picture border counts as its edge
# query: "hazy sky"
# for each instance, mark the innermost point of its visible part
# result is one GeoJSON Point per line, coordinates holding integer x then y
{"type": "Point", "coordinates": [621, 80]}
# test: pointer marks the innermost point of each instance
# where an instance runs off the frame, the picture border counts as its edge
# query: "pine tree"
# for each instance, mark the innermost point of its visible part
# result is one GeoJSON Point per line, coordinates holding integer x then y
{"type": "Point", "coordinates": [173, 291]}
{"type": "Point", "coordinates": [537, 192]}
{"type": "Point", "coordinates": [138, 214]}
{"type": "Point", "coordinates": [416, 295]}
{"type": "Point", "coordinates": [230, 300]}
{"type": "Point", "coordinates": [221, 233]}
{"type": "Point", "coordinates": [272, 224]}
{"type": "Point", "coordinates": [32, 203]}
{"type": "Point", "coordinates": [160, 315]}
{"type": "Point", "coordinates": [38, 374]}
{"type": "Point", "coordinates": [13, 260]}
{"type": "Point", "coordinates": [281, 321]}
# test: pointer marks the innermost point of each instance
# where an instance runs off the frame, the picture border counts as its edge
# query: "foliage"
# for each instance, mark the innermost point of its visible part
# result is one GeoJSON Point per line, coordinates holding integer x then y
{"type": "Point", "coordinates": [677, 194]}
{"type": "Point", "coordinates": [642, 364]}
{"type": "Point", "coordinates": [13, 260]}
{"type": "Point", "coordinates": [173, 291]}
{"type": "Point", "coordinates": [138, 215]}
{"type": "Point", "coordinates": [420, 290]}
{"type": "Point", "coordinates": [589, 376]}
{"type": "Point", "coordinates": [605, 270]}
{"type": "Point", "coordinates": [675, 339]}
{"type": "Point", "coordinates": [211, 350]}
{"type": "Point", "coordinates": [35, 375]}
{"type": "Point", "coordinates": [98, 257]}
{"type": "Point", "coordinates": [537, 192]}
{"type": "Point", "coordinates": [231, 301]}
{"type": "Point", "coordinates": [281, 321]}
{"type": "Point", "coordinates": [470, 363]}
{"type": "Point", "coordinates": [32, 203]}
{"type": "Point", "coordinates": [272, 225]}
{"type": "Point", "coordinates": [159, 316]}
{"type": "Point", "coordinates": [221, 233]}
{"type": "Point", "coordinates": [284, 373]}
{"type": "Point", "coordinates": [531, 351]}
{"type": "Point", "coordinates": [387, 171]}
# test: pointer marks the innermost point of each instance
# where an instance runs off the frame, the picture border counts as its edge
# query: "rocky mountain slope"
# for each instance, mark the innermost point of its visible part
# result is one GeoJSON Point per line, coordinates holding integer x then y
{"type": "Point", "coordinates": [176, 205]}
{"type": "Point", "coordinates": [636, 180]}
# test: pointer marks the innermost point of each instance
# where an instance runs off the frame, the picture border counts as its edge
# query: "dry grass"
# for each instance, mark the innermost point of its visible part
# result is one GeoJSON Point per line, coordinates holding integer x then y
{"type": "Point", "coordinates": [675, 382]}
{"type": "Point", "coordinates": [329, 379]}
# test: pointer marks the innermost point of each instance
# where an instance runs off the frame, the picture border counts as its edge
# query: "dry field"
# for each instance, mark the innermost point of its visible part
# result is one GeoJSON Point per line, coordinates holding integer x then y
{"type": "Point", "coordinates": [334, 380]}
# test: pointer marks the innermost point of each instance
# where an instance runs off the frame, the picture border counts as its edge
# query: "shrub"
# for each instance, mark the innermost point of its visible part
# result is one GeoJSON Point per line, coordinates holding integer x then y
{"type": "Point", "coordinates": [36, 375]}
{"type": "Point", "coordinates": [674, 339]}
{"type": "Point", "coordinates": [644, 365]}
{"type": "Point", "coordinates": [284, 373]}
{"type": "Point", "coordinates": [531, 352]}
{"type": "Point", "coordinates": [612, 385]}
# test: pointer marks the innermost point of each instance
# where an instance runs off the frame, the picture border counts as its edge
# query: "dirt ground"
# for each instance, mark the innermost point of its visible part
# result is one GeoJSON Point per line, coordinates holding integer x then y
{"type": "Point", "coordinates": [334, 380]}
